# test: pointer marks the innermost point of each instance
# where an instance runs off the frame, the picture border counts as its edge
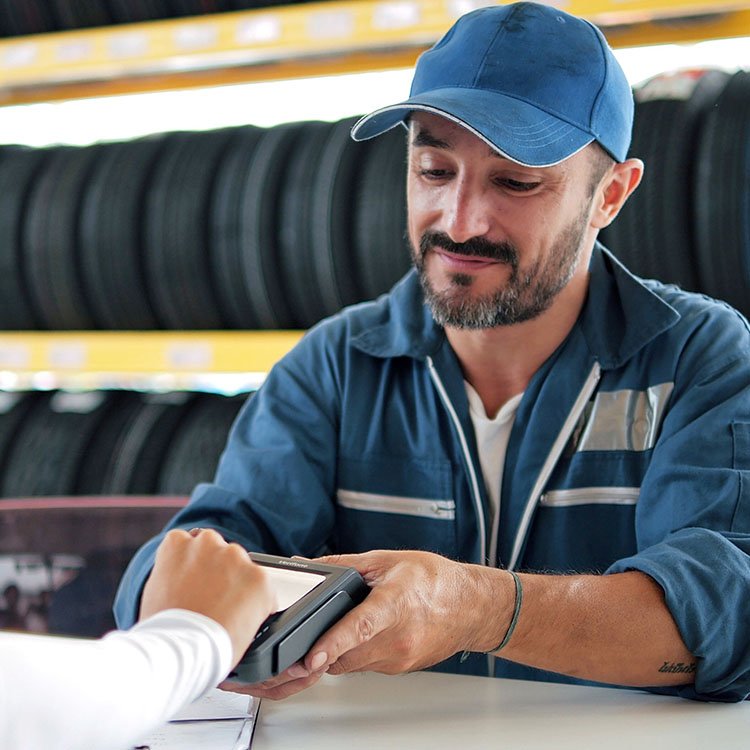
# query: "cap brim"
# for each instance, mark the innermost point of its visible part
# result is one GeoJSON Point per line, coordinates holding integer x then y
{"type": "Point", "coordinates": [515, 129]}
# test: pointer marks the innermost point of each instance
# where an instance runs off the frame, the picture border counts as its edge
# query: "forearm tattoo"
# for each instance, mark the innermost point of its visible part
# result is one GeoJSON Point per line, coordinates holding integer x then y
{"type": "Point", "coordinates": [679, 667]}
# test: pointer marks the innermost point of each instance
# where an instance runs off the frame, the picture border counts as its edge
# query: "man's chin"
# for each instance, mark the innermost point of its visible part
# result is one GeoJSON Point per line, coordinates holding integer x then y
{"type": "Point", "coordinates": [463, 314]}
{"type": "Point", "coordinates": [482, 284]}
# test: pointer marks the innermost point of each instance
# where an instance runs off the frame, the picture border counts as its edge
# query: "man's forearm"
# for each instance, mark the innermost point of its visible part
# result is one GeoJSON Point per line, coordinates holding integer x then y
{"type": "Point", "coordinates": [615, 628]}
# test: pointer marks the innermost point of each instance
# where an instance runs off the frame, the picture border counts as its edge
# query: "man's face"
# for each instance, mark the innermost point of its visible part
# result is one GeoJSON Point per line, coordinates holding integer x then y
{"type": "Point", "coordinates": [494, 242]}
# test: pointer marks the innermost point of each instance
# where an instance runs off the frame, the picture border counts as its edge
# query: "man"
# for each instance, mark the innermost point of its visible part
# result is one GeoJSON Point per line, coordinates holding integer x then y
{"type": "Point", "coordinates": [202, 605]}
{"type": "Point", "coordinates": [544, 411]}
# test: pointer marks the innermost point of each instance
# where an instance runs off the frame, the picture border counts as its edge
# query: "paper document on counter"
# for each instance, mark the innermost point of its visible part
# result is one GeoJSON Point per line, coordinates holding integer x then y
{"type": "Point", "coordinates": [220, 720]}
{"type": "Point", "coordinates": [218, 704]}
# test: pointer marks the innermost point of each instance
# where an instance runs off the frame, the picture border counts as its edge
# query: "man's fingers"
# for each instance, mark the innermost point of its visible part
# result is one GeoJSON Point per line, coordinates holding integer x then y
{"type": "Point", "coordinates": [368, 564]}
{"type": "Point", "coordinates": [273, 692]}
{"type": "Point", "coordinates": [236, 687]}
{"type": "Point", "coordinates": [345, 560]}
{"type": "Point", "coordinates": [295, 672]}
{"type": "Point", "coordinates": [355, 629]}
{"type": "Point", "coordinates": [363, 562]}
{"type": "Point", "coordinates": [366, 664]}
{"type": "Point", "coordinates": [291, 688]}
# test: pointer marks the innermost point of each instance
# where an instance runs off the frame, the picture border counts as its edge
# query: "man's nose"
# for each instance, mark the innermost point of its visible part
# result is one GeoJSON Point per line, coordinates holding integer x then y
{"type": "Point", "coordinates": [466, 214]}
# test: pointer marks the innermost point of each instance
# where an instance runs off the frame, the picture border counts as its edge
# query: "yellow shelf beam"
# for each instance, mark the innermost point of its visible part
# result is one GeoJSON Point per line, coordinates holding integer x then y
{"type": "Point", "coordinates": [149, 360]}
{"type": "Point", "coordinates": [296, 40]}
{"type": "Point", "coordinates": [681, 30]}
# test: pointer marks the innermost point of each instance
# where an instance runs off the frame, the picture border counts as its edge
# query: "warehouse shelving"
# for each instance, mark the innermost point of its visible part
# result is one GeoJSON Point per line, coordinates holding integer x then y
{"type": "Point", "coordinates": [264, 44]}
{"type": "Point", "coordinates": [305, 39]}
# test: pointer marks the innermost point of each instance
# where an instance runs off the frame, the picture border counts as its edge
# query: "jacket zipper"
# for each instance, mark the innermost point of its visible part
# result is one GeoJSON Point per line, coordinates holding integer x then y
{"type": "Point", "coordinates": [557, 448]}
{"type": "Point", "coordinates": [473, 480]}
{"type": "Point", "coordinates": [467, 457]}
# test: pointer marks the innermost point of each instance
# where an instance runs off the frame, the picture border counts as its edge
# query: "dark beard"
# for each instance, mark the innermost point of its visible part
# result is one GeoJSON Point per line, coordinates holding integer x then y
{"type": "Point", "coordinates": [521, 298]}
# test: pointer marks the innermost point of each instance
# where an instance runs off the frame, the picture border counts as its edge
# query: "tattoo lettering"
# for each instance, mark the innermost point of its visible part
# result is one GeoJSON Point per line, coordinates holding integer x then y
{"type": "Point", "coordinates": [680, 667]}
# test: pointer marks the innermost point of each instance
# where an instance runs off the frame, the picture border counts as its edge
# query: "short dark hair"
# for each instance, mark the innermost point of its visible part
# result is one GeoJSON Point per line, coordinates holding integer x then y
{"type": "Point", "coordinates": [601, 162]}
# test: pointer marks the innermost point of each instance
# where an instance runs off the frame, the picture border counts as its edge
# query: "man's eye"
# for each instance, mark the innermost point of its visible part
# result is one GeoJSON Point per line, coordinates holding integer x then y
{"type": "Point", "coordinates": [434, 174]}
{"type": "Point", "coordinates": [517, 185]}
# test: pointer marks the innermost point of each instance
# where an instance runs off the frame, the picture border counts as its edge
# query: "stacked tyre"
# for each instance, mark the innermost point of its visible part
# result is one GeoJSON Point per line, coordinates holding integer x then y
{"type": "Point", "coordinates": [689, 221]}
{"type": "Point", "coordinates": [111, 442]}
{"type": "Point", "coordinates": [42, 16]}
{"type": "Point", "coordinates": [241, 228]}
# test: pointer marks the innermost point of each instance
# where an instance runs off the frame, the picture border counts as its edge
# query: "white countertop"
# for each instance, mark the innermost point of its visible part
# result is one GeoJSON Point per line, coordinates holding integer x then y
{"type": "Point", "coordinates": [434, 711]}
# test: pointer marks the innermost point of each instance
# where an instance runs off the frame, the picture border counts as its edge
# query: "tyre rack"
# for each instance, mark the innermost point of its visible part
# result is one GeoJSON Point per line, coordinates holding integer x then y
{"type": "Point", "coordinates": [263, 44]}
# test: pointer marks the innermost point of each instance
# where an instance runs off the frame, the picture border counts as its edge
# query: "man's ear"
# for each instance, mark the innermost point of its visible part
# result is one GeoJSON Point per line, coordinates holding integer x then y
{"type": "Point", "coordinates": [620, 181]}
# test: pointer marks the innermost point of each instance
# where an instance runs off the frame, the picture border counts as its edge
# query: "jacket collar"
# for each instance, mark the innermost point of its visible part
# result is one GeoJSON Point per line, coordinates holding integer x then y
{"type": "Point", "coordinates": [622, 312]}
{"type": "Point", "coordinates": [621, 315]}
{"type": "Point", "coordinates": [397, 324]}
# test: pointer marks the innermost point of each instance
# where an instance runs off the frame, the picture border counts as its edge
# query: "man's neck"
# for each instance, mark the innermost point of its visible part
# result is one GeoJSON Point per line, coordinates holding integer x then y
{"type": "Point", "coordinates": [499, 362]}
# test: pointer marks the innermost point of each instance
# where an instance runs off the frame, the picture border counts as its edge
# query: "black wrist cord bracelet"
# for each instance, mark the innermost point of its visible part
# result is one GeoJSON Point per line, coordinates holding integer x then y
{"type": "Point", "coordinates": [516, 612]}
{"type": "Point", "coordinates": [513, 620]}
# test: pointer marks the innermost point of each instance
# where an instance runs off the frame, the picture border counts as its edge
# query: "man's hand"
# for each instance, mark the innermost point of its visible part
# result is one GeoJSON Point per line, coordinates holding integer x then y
{"type": "Point", "coordinates": [201, 572]}
{"type": "Point", "coordinates": [422, 609]}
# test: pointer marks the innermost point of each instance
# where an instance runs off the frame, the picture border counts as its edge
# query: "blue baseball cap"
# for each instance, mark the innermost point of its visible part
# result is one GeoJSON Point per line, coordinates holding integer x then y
{"type": "Point", "coordinates": [536, 83]}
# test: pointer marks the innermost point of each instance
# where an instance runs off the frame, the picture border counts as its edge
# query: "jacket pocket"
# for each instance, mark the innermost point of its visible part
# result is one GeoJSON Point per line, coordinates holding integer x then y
{"type": "Point", "coordinates": [385, 502]}
{"type": "Point", "coordinates": [410, 506]}
{"type": "Point", "coordinates": [741, 445]}
{"type": "Point", "coordinates": [741, 463]}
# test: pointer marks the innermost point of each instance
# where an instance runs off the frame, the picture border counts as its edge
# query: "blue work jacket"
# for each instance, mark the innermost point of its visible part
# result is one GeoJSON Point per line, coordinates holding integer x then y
{"type": "Point", "coordinates": [630, 451]}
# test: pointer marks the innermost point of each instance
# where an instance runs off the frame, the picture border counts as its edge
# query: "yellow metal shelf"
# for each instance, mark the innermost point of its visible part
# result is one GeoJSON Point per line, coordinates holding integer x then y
{"type": "Point", "coordinates": [681, 30]}
{"type": "Point", "coordinates": [229, 361]}
{"type": "Point", "coordinates": [305, 39]}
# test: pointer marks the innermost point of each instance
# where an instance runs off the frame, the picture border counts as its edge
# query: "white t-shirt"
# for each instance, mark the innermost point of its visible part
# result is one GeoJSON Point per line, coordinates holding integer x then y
{"type": "Point", "coordinates": [492, 442]}
{"type": "Point", "coordinates": [73, 694]}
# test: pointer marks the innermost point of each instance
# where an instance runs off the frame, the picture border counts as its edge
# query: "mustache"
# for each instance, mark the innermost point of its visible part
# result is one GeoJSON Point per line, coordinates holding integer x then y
{"type": "Point", "coordinates": [504, 252]}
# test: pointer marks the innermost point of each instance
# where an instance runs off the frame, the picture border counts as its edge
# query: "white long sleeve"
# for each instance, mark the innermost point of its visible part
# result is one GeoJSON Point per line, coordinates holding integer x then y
{"type": "Point", "coordinates": [69, 694]}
